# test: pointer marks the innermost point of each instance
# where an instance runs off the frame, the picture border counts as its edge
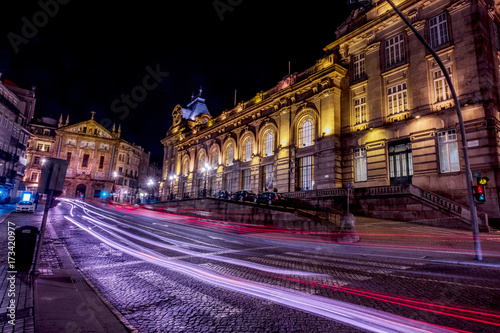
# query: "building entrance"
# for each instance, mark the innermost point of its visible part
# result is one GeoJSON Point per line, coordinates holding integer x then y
{"type": "Point", "coordinates": [400, 162]}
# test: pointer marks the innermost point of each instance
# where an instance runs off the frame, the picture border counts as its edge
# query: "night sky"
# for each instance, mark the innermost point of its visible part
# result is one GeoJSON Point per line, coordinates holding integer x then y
{"type": "Point", "coordinates": [88, 55]}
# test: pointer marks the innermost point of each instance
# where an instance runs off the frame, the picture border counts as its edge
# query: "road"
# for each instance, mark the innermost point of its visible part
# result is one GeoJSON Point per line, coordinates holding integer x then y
{"type": "Point", "coordinates": [171, 273]}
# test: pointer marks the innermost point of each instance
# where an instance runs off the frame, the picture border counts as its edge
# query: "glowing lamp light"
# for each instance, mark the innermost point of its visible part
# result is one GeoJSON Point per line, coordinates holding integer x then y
{"type": "Point", "coordinates": [44, 160]}
{"type": "Point", "coordinates": [104, 194]}
{"type": "Point", "coordinates": [328, 131]}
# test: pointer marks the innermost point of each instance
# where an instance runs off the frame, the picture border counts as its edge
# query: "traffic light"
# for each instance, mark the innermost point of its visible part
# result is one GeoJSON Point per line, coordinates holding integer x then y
{"type": "Point", "coordinates": [479, 195]}
{"type": "Point", "coordinates": [482, 180]}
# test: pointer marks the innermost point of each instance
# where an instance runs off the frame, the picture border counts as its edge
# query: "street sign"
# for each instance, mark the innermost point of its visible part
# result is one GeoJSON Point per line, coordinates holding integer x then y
{"type": "Point", "coordinates": [53, 175]}
{"type": "Point", "coordinates": [348, 186]}
{"type": "Point", "coordinates": [476, 174]}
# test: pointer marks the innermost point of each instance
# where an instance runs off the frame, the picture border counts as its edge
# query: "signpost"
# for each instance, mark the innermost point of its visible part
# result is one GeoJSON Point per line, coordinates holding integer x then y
{"type": "Point", "coordinates": [51, 180]}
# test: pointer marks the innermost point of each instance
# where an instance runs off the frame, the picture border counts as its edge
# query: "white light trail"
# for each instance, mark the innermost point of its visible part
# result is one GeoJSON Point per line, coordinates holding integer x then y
{"type": "Point", "coordinates": [354, 315]}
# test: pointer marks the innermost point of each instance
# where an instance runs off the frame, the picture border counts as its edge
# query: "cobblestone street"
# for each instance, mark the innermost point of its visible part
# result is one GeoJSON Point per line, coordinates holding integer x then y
{"type": "Point", "coordinates": [176, 291]}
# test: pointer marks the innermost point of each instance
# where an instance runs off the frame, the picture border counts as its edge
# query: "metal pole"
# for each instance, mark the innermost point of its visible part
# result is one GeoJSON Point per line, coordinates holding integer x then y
{"type": "Point", "coordinates": [348, 190]}
{"type": "Point", "coordinates": [468, 173]}
{"type": "Point", "coordinates": [48, 202]}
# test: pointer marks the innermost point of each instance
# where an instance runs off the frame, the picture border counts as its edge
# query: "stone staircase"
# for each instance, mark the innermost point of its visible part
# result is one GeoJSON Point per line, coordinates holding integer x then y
{"type": "Point", "coordinates": [400, 202]}
{"type": "Point", "coordinates": [414, 204]}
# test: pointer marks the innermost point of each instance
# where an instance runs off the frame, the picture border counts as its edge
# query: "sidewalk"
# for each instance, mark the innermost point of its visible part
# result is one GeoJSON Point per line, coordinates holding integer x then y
{"type": "Point", "coordinates": [59, 298]}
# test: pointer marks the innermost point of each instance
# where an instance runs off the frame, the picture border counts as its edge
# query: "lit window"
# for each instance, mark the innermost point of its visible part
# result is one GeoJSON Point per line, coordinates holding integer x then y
{"type": "Point", "coordinates": [305, 133]}
{"type": "Point", "coordinates": [448, 151]}
{"type": "Point", "coordinates": [215, 159]}
{"type": "Point", "coordinates": [360, 110]}
{"type": "Point", "coordinates": [360, 168]}
{"type": "Point", "coordinates": [248, 150]}
{"type": "Point", "coordinates": [397, 99]}
{"type": "Point", "coordinates": [230, 156]}
{"type": "Point", "coordinates": [246, 179]}
{"type": "Point", "coordinates": [34, 176]}
{"type": "Point", "coordinates": [441, 88]}
{"type": "Point", "coordinates": [359, 66]}
{"type": "Point", "coordinates": [267, 177]}
{"type": "Point", "coordinates": [269, 144]}
{"type": "Point", "coordinates": [186, 168]}
{"type": "Point", "coordinates": [438, 30]}
{"type": "Point", "coordinates": [201, 163]}
{"type": "Point", "coordinates": [306, 169]}
{"type": "Point", "coordinates": [394, 50]}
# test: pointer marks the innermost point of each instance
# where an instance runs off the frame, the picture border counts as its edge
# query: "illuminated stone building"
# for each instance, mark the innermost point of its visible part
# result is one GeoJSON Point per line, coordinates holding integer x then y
{"type": "Point", "coordinates": [100, 162]}
{"type": "Point", "coordinates": [17, 106]}
{"type": "Point", "coordinates": [376, 112]}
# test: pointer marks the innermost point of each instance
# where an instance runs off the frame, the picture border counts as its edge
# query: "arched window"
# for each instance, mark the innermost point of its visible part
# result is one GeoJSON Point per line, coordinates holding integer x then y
{"type": "Point", "coordinates": [201, 163]}
{"type": "Point", "coordinates": [215, 159]}
{"type": "Point", "coordinates": [248, 150]}
{"type": "Point", "coordinates": [305, 133]}
{"type": "Point", "coordinates": [186, 168]}
{"type": "Point", "coordinates": [268, 151]}
{"type": "Point", "coordinates": [230, 155]}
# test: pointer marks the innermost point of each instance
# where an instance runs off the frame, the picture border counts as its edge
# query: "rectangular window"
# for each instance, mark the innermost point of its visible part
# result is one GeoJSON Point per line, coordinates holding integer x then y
{"type": "Point", "coordinates": [68, 156]}
{"type": "Point", "coordinates": [394, 50]}
{"type": "Point", "coordinates": [438, 30]}
{"type": "Point", "coordinates": [85, 161]}
{"type": "Point", "coordinates": [441, 88]}
{"type": "Point", "coordinates": [5, 121]}
{"type": "Point", "coordinates": [397, 99]}
{"type": "Point", "coordinates": [246, 179]}
{"type": "Point", "coordinates": [34, 177]}
{"type": "Point", "coordinates": [267, 177]}
{"type": "Point", "coordinates": [46, 132]}
{"type": "Point", "coordinates": [448, 151]}
{"type": "Point", "coordinates": [36, 161]}
{"type": "Point", "coordinates": [360, 110]}
{"type": "Point", "coordinates": [228, 181]}
{"type": "Point", "coordinates": [120, 170]}
{"type": "Point", "coordinates": [101, 162]}
{"type": "Point", "coordinates": [360, 168]}
{"type": "Point", "coordinates": [39, 147]}
{"type": "Point", "coordinates": [46, 147]}
{"type": "Point", "coordinates": [306, 169]}
{"type": "Point", "coordinates": [359, 66]}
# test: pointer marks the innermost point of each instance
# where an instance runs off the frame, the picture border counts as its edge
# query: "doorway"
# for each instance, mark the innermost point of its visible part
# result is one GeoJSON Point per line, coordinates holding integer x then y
{"type": "Point", "coordinates": [400, 162]}
{"type": "Point", "coordinates": [80, 191]}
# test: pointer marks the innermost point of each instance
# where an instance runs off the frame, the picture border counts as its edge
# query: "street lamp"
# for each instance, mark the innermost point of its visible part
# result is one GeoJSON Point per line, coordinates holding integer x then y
{"type": "Point", "coordinates": [172, 178]}
{"type": "Point", "coordinates": [468, 173]}
{"type": "Point", "coordinates": [150, 186]}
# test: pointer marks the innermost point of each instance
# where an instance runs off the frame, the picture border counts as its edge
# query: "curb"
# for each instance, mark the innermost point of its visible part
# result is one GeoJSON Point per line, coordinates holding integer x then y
{"type": "Point", "coordinates": [110, 306]}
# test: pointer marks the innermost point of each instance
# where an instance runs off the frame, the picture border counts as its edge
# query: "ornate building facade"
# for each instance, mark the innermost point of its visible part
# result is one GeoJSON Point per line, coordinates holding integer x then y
{"type": "Point", "coordinates": [100, 162]}
{"type": "Point", "coordinates": [376, 111]}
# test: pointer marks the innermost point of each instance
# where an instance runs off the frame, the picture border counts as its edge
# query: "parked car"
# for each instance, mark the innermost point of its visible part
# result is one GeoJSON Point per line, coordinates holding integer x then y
{"type": "Point", "coordinates": [222, 195]}
{"type": "Point", "coordinates": [271, 198]}
{"type": "Point", "coordinates": [25, 206]}
{"type": "Point", "coordinates": [243, 195]}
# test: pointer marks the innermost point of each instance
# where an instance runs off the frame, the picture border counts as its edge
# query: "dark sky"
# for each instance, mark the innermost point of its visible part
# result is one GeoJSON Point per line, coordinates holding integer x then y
{"type": "Point", "coordinates": [89, 54]}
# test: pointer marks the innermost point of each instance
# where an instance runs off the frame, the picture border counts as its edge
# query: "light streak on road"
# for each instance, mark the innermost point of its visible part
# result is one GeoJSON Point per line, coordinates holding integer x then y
{"type": "Point", "coordinates": [212, 256]}
{"type": "Point", "coordinates": [354, 315]}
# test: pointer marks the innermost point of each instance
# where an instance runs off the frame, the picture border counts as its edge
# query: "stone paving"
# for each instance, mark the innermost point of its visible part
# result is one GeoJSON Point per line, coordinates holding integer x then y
{"type": "Point", "coordinates": [156, 299]}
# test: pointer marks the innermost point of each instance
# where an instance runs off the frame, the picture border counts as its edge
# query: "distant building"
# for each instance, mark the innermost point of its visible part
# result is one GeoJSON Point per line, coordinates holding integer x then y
{"type": "Point", "coordinates": [17, 106]}
{"type": "Point", "coordinates": [376, 112]}
{"type": "Point", "coordinates": [101, 164]}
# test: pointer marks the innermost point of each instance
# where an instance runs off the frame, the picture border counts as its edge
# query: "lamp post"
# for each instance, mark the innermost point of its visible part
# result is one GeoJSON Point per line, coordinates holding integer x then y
{"type": "Point", "coordinates": [205, 169]}
{"type": "Point", "coordinates": [150, 186]}
{"type": "Point", "coordinates": [468, 173]}
{"type": "Point", "coordinates": [172, 178]}
{"type": "Point", "coordinates": [115, 174]}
